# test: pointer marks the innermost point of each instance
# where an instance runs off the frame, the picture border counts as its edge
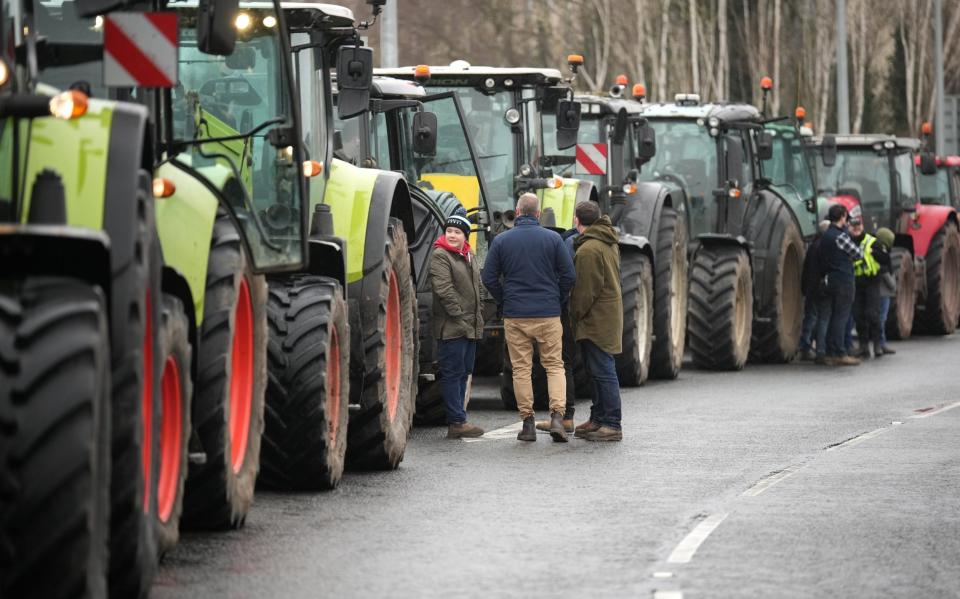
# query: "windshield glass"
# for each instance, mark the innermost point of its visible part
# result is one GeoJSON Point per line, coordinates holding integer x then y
{"type": "Point", "coordinates": [789, 163]}
{"type": "Point", "coordinates": [935, 189]}
{"type": "Point", "coordinates": [906, 177]}
{"type": "Point", "coordinates": [686, 154]}
{"type": "Point", "coordinates": [861, 172]}
{"type": "Point", "coordinates": [57, 22]}
{"type": "Point", "coordinates": [492, 140]}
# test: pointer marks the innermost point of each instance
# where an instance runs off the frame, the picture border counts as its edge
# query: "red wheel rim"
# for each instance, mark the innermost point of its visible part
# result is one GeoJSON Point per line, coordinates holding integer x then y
{"type": "Point", "coordinates": [394, 347]}
{"type": "Point", "coordinates": [333, 386]}
{"type": "Point", "coordinates": [241, 377]}
{"type": "Point", "coordinates": [171, 438]}
{"type": "Point", "coordinates": [146, 401]}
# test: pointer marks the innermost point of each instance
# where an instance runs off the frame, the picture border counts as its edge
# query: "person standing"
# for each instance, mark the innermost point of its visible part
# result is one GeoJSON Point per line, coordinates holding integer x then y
{"type": "Point", "coordinates": [888, 287]}
{"type": "Point", "coordinates": [457, 319]}
{"type": "Point", "coordinates": [529, 272]}
{"type": "Point", "coordinates": [868, 286]}
{"type": "Point", "coordinates": [837, 255]}
{"type": "Point", "coordinates": [596, 312]}
{"type": "Point", "coordinates": [812, 288]}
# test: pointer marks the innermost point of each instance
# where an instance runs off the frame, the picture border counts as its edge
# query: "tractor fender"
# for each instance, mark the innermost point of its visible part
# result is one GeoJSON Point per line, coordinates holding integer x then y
{"type": "Point", "coordinates": [721, 239]}
{"type": "Point", "coordinates": [56, 250]}
{"type": "Point", "coordinates": [185, 226]}
{"type": "Point", "coordinates": [636, 243]}
{"type": "Point", "coordinates": [327, 257]}
{"type": "Point", "coordinates": [640, 214]}
{"type": "Point", "coordinates": [173, 282]}
{"type": "Point", "coordinates": [925, 224]}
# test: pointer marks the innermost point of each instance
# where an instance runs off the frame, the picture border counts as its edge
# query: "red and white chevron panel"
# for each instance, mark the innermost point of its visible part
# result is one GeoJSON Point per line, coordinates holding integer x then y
{"type": "Point", "coordinates": [591, 159]}
{"type": "Point", "coordinates": [140, 49]}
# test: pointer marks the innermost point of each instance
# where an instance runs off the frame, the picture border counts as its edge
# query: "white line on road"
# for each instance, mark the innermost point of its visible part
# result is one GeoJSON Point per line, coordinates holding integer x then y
{"type": "Point", "coordinates": [939, 410]}
{"type": "Point", "coordinates": [668, 595]}
{"type": "Point", "coordinates": [859, 439]}
{"type": "Point", "coordinates": [683, 552]}
{"type": "Point", "coordinates": [771, 479]}
{"type": "Point", "coordinates": [504, 432]}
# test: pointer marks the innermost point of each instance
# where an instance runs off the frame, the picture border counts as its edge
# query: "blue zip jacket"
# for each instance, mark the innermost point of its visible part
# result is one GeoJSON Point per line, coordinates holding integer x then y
{"type": "Point", "coordinates": [529, 270]}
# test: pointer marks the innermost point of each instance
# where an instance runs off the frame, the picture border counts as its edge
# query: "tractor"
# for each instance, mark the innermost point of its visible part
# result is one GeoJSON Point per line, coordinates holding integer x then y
{"type": "Point", "coordinates": [750, 203]}
{"type": "Point", "coordinates": [202, 194]}
{"type": "Point", "coordinates": [874, 176]}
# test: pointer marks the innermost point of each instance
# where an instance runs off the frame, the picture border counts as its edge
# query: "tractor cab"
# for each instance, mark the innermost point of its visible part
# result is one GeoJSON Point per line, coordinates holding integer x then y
{"type": "Point", "coordinates": [940, 187]}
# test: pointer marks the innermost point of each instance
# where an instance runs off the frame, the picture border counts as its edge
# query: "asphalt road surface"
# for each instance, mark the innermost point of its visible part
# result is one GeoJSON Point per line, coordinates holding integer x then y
{"type": "Point", "coordinates": [779, 481]}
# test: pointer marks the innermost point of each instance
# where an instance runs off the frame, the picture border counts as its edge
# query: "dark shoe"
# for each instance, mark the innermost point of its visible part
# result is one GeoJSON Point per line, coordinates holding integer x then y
{"type": "Point", "coordinates": [863, 353]}
{"type": "Point", "coordinates": [847, 361]}
{"type": "Point", "coordinates": [826, 360]}
{"type": "Point", "coordinates": [587, 427]}
{"type": "Point", "coordinates": [820, 360]}
{"type": "Point", "coordinates": [544, 425]}
{"type": "Point", "coordinates": [464, 430]}
{"type": "Point", "coordinates": [807, 356]}
{"type": "Point", "coordinates": [556, 428]}
{"type": "Point", "coordinates": [605, 433]}
{"type": "Point", "coordinates": [888, 350]}
{"type": "Point", "coordinates": [877, 351]}
{"type": "Point", "coordinates": [529, 431]}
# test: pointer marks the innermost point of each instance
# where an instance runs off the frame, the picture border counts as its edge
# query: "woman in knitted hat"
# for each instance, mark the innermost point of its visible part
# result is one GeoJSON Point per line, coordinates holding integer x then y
{"type": "Point", "coordinates": [457, 318]}
{"type": "Point", "coordinates": [888, 287]}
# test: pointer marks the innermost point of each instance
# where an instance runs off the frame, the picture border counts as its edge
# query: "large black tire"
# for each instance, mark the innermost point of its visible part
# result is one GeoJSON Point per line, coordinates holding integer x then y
{"type": "Point", "coordinates": [778, 309]}
{"type": "Point", "coordinates": [135, 310]}
{"type": "Point", "coordinates": [219, 492]}
{"type": "Point", "coordinates": [176, 395]}
{"type": "Point", "coordinates": [670, 296]}
{"type": "Point", "coordinates": [378, 432]}
{"type": "Point", "coordinates": [902, 305]}
{"type": "Point", "coordinates": [721, 308]}
{"type": "Point", "coordinates": [54, 439]}
{"type": "Point", "coordinates": [940, 311]}
{"type": "Point", "coordinates": [308, 392]}
{"type": "Point", "coordinates": [636, 281]}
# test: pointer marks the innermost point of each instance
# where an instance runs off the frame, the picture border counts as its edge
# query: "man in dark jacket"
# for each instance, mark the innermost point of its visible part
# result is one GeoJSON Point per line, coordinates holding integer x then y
{"type": "Point", "coordinates": [529, 272]}
{"type": "Point", "coordinates": [596, 311]}
{"type": "Point", "coordinates": [837, 254]}
{"type": "Point", "coordinates": [812, 288]}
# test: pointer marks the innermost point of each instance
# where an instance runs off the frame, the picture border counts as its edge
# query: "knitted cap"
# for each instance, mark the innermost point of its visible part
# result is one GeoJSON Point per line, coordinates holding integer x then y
{"type": "Point", "coordinates": [458, 221]}
{"type": "Point", "coordinates": [885, 236]}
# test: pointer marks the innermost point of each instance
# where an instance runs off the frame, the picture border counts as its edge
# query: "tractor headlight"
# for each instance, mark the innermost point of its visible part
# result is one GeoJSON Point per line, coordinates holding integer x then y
{"type": "Point", "coordinates": [4, 72]}
{"type": "Point", "coordinates": [525, 170]}
{"type": "Point", "coordinates": [512, 116]}
{"type": "Point", "coordinates": [489, 83]}
{"type": "Point", "coordinates": [714, 122]}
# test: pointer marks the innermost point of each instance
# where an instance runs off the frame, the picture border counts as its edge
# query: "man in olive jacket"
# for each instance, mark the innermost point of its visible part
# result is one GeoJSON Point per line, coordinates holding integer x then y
{"type": "Point", "coordinates": [596, 311]}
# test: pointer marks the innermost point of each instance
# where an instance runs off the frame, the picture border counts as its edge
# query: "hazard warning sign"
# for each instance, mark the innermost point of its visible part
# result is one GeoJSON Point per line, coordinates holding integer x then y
{"type": "Point", "coordinates": [591, 159]}
{"type": "Point", "coordinates": [140, 49]}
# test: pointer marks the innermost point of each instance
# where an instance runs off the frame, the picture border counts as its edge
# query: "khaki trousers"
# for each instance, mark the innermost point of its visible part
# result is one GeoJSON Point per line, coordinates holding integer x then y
{"type": "Point", "coordinates": [547, 333]}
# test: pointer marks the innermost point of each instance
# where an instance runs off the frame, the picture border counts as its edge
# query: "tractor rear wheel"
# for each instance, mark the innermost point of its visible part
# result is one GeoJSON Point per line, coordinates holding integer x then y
{"type": "Point", "coordinates": [942, 307]}
{"type": "Point", "coordinates": [378, 432]}
{"type": "Point", "coordinates": [670, 296]}
{"type": "Point", "coordinates": [54, 439]}
{"type": "Point", "coordinates": [721, 308]}
{"type": "Point", "coordinates": [900, 318]}
{"type": "Point", "coordinates": [636, 281]}
{"type": "Point", "coordinates": [176, 395]}
{"type": "Point", "coordinates": [231, 380]}
{"type": "Point", "coordinates": [308, 393]}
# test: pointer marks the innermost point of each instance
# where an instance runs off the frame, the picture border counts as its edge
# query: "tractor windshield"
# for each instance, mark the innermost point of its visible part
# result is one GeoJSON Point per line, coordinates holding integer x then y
{"type": "Point", "coordinates": [74, 44]}
{"type": "Point", "coordinates": [935, 188]}
{"type": "Point", "coordinates": [687, 155]}
{"type": "Point", "coordinates": [789, 164]}
{"type": "Point", "coordinates": [861, 172]}
{"type": "Point", "coordinates": [906, 178]}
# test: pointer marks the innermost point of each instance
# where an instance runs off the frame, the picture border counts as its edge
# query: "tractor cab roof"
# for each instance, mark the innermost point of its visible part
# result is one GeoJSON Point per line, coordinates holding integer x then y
{"type": "Point", "coordinates": [873, 140]}
{"type": "Point", "coordinates": [692, 109]}
{"type": "Point", "coordinates": [308, 16]}
{"type": "Point", "coordinates": [389, 87]}
{"type": "Point", "coordinates": [462, 73]}
{"type": "Point", "coordinates": [591, 105]}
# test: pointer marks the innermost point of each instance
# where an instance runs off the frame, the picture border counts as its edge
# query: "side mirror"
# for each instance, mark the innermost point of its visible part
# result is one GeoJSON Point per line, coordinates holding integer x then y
{"type": "Point", "coordinates": [552, 95]}
{"type": "Point", "coordinates": [216, 33]}
{"type": "Point", "coordinates": [734, 160]}
{"type": "Point", "coordinates": [354, 77]}
{"type": "Point", "coordinates": [928, 163]}
{"type": "Point", "coordinates": [646, 143]}
{"type": "Point", "coordinates": [568, 123]}
{"type": "Point", "coordinates": [241, 59]}
{"type": "Point", "coordinates": [829, 150]}
{"type": "Point", "coordinates": [764, 145]}
{"type": "Point", "coordinates": [620, 127]}
{"type": "Point", "coordinates": [425, 133]}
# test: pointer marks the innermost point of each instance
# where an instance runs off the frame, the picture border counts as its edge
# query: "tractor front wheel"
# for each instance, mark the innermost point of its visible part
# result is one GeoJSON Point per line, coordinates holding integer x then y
{"type": "Point", "coordinates": [721, 308]}
{"type": "Point", "coordinates": [636, 281]}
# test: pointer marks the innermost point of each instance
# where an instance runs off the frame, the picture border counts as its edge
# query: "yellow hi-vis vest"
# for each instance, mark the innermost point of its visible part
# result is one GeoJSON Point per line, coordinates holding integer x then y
{"type": "Point", "coordinates": [868, 266]}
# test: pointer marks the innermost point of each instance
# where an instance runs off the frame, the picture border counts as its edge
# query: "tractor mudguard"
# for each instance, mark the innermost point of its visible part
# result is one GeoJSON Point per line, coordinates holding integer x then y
{"type": "Point", "coordinates": [349, 193]}
{"type": "Point", "coordinates": [925, 224]}
{"type": "Point", "coordinates": [640, 213]}
{"type": "Point", "coordinates": [718, 239]}
{"type": "Point", "coordinates": [185, 227]}
{"type": "Point", "coordinates": [636, 243]}
{"type": "Point", "coordinates": [327, 257]}
{"type": "Point", "coordinates": [56, 250]}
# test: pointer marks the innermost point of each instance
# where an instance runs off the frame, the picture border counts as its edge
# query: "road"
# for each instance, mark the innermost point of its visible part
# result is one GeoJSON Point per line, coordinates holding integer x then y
{"type": "Point", "coordinates": [779, 481]}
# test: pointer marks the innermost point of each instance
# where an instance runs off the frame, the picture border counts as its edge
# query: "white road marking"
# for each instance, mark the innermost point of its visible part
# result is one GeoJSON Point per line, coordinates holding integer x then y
{"type": "Point", "coordinates": [859, 439]}
{"type": "Point", "coordinates": [683, 552]}
{"type": "Point", "coordinates": [663, 574]}
{"type": "Point", "coordinates": [504, 432]}
{"type": "Point", "coordinates": [939, 410]}
{"type": "Point", "coordinates": [668, 595]}
{"type": "Point", "coordinates": [771, 479]}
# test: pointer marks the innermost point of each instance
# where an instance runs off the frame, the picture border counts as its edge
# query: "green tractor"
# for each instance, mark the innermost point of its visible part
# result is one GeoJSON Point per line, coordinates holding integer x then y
{"type": "Point", "coordinates": [424, 137]}
{"type": "Point", "coordinates": [220, 156]}
{"type": "Point", "coordinates": [750, 202]}
{"type": "Point", "coordinates": [353, 304]}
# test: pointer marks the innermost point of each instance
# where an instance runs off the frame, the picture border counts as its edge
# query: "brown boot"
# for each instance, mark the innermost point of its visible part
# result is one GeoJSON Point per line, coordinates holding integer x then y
{"type": "Point", "coordinates": [529, 431]}
{"type": "Point", "coordinates": [605, 433]}
{"type": "Point", "coordinates": [544, 425]}
{"type": "Point", "coordinates": [463, 430]}
{"type": "Point", "coordinates": [556, 428]}
{"type": "Point", "coordinates": [587, 427]}
{"type": "Point", "coordinates": [847, 361]}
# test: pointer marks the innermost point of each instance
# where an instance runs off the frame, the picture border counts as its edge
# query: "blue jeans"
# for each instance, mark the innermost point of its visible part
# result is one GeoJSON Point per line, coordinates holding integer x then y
{"type": "Point", "coordinates": [840, 291]}
{"type": "Point", "coordinates": [456, 358]}
{"type": "Point", "coordinates": [601, 367]}
{"type": "Point", "coordinates": [884, 310]}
